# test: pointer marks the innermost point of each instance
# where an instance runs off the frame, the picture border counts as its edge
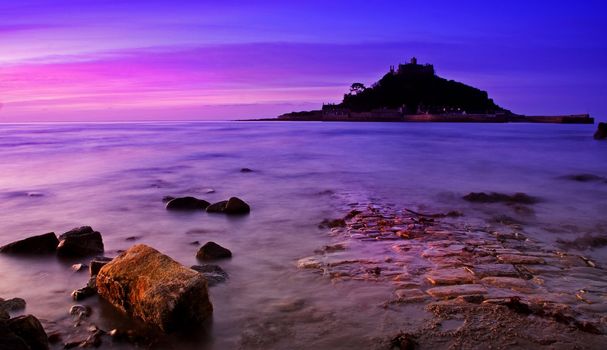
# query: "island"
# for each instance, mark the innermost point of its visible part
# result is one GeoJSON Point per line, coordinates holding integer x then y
{"type": "Point", "coordinates": [413, 92]}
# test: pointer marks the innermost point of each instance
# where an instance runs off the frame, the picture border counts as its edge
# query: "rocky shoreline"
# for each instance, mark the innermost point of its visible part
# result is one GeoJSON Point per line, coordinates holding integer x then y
{"type": "Point", "coordinates": [141, 282]}
{"type": "Point", "coordinates": [495, 286]}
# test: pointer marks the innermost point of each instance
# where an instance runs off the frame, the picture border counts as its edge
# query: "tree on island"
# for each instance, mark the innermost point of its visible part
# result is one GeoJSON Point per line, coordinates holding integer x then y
{"type": "Point", "coordinates": [415, 88]}
{"type": "Point", "coordinates": [357, 88]}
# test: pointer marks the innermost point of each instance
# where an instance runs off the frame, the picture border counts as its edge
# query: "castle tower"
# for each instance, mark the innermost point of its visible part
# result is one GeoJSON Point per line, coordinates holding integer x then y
{"type": "Point", "coordinates": [414, 61]}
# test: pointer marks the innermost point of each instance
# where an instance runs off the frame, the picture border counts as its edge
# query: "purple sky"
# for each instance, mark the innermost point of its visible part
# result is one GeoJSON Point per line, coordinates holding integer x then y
{"type": "Point", "coordinates": [177, 60]}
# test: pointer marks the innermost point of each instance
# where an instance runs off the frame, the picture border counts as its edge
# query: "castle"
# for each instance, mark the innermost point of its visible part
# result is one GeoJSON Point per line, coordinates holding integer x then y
{"type": "Point", "coordinates": [413, 68]}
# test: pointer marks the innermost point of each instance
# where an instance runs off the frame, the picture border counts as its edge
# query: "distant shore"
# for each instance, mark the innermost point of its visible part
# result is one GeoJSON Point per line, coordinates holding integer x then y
{"type": "Point", "coordinates": [430, 118]}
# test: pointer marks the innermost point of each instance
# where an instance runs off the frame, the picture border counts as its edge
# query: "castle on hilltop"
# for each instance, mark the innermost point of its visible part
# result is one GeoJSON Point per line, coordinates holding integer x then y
{"type": "Point", "coordinates": [413, 68]}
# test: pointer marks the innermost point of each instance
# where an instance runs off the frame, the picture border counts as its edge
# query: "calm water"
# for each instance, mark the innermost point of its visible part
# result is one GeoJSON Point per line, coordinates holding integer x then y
{"type": "Point", "coordinates": [112, 177]}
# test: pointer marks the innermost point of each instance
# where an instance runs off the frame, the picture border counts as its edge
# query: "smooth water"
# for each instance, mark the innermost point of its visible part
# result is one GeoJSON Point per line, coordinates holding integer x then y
{"type": "Point", "coordinates": [54, 177]}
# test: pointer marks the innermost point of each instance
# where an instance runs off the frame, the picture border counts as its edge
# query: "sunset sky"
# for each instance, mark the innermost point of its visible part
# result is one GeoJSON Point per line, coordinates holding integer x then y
{"type": "Point", "coordinates": [179, 60]}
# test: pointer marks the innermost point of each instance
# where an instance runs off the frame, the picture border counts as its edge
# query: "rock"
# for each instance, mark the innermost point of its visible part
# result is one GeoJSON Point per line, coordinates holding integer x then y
{"type": "Point", "coordinates": [309, 263]}
{"type": "Point", "coordinates": [449, 276]}
{"type": "Point", "coordinates": [585, 178]}
{"type": "Point", "coordinates": [46, 243]}
{"type": "Point", "coordinates": [4, 315]}
{"type": "Point", "coordinates": [328, 223]}
{"type": "Point", "coordinates": [147, 284]}
{"type": "Point", "coordinates": [449, 292]}
{"type": "Point", "coordinates": [413, 295]}
{"type": "Point", "coordinates": [30, 330]}
{"type": "Point", "coordinates": [493, 197]}
{"type": "Point", "coordinates": [96, 264]}
{"type": "Point", "coordinates": [213, 273]}
{"type": "Point", "coordinates": [80, 311]}
{"type": "Point", "coordinates": [80, 241]}
{"type": "Point", "coordinates": [167, 199]}
{"type": "Point", "coordinates": [79, 267]}
{"type": "Point", "coordinates": [83, 293]}
{"type": "Point", "coordinates": [233, 206]}
{"type": "Point", "coordinates": [601, 132]}
{"type": "Point", "coordinates": [14, 304]}
{"type": "Point", "coordinates": [403, 341]}
{"type": "Point", "coordinates": [520, 259]}
{"type": "Point", "coordinates": [487, 270]}
{"type": "Point", "coordinates": [246, 170]}
{"type": "Point", "coordinates": [212, 250]}
{"type": "Point", "coordinates": [507, 282]}
{"type": "Point", "coordinates": [217, 207]}
{"type": "Point", "coordinates": [187, 203]}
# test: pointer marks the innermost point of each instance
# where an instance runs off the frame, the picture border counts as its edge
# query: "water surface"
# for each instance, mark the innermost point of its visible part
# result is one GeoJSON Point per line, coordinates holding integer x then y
{"type": "Point", "coordinates": [113, 176]}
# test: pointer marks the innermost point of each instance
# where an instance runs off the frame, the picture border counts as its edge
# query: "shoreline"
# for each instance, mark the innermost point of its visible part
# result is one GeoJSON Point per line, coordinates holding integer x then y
{"type": "Point", "coordinates": [431, 118]}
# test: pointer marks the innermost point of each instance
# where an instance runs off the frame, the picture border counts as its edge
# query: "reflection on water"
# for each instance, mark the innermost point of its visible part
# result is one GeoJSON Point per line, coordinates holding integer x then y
{"type": "Point", "coordinates": [113, 176]}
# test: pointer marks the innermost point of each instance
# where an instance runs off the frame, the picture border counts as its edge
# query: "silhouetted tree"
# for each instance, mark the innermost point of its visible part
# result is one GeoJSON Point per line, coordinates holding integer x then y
{"type": "Point", "coordinates": [357, 88]}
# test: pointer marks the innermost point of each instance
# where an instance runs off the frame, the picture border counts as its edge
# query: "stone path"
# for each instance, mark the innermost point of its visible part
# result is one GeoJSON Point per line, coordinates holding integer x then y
{"type": "Point", "coordinates": [443, 258]}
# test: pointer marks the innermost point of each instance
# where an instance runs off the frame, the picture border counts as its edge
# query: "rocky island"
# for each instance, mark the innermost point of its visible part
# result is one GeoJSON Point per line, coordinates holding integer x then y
{"type": "Point", "coordinates": [413, 92]}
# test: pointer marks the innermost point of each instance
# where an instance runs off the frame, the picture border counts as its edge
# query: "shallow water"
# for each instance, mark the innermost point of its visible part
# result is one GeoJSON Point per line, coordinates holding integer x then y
{"type": "Point", "coordinates": [113, 176]}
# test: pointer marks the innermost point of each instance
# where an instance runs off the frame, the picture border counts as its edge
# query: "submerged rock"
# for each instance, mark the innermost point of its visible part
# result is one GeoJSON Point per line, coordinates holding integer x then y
{"type": "Point", "coordinates": [233, 206]}
{"type": "Point", "coordinates": [494, 197]}
{"type": "Point", "coordinates": [585, 178]}
{"type": "Point", "coordinates": [23, 329]}
{"type": "Point", "coordinates": [80, 241]}
{"type": "Point", "coordinates": [213, 273]}
{"type": "Point", "coordinates": [147, 284]}
{"type": "Point", "coordinates": [601, 132]}
{"type": "Point", "coordinates": [246, 170]}
{"type": "Point", "coordinates": [187, 203]}
{"type": "Point", "coordinates": [332, 223]}
{"type": "Point", "coordinates": [14, 304]}
{"type": "Point", "coordinates": [46, 243]}
{"type": "Point", "coordinates": [212, 251]}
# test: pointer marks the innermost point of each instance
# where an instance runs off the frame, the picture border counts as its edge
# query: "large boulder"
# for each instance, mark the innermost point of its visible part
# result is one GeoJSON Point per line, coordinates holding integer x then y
{"type": "Point", "coordinates": [29, 329]}
{"type": "Point", "coordinates": [187, 203]}
{"type": "Point", "coordinates": [233, 206]}
{"type": "Point", "coordinates": [81, 241]}
{"type": "Point", "coordinates": [41, 244]}
{"type": "Point", "coordinates": [601, 132]}
{"type": "Point", "coordinates": [147, 284]}
{"type": "Point", "coordinates": [213, 251]}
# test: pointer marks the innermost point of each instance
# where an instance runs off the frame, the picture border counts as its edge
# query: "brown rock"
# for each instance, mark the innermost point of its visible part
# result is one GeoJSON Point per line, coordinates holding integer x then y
{"type": "Point", "coordinates": [520, 259]}
{"type": "Point", "coordinates": [457, 290]}
{"type": "Point", "coordinates": [486, 270]}
{"type": "Point", "coordinates": [449, 276]}
{"type": "Point", "coordinates": [80, 241]}
{"type": "Point", "coordinates": [212, 251]}
{"type": "Point", "coordinates": [506, 282]}
{"type": "Point", "coordinates": [30, 330]}
{"type": "Point", "coordinates": [187, 203]}
{"type": "Point", "coordinates": [147, 284]}
{"type": "Point", "coordinates": [46, 243]}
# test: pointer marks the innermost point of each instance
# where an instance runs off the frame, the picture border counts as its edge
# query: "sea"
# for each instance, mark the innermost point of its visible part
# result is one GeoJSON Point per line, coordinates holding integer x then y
{"type": "Point", "coordinates": [113, 176]}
